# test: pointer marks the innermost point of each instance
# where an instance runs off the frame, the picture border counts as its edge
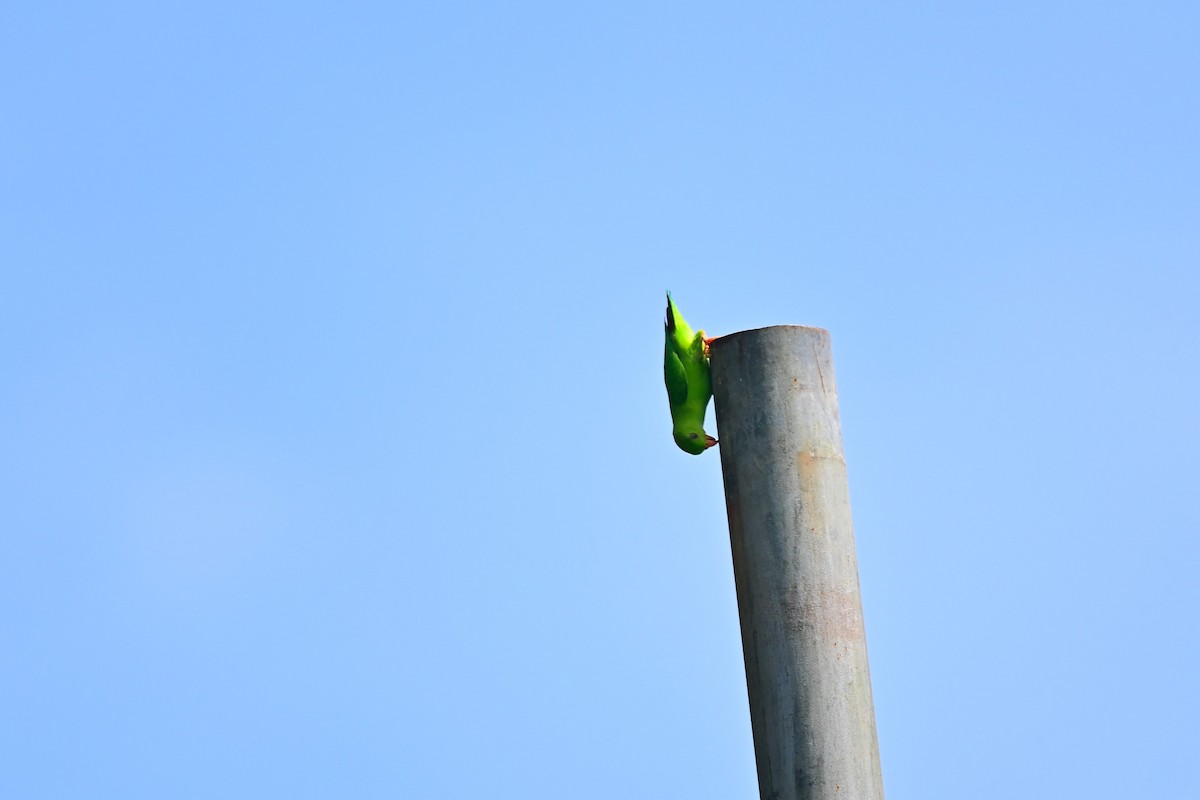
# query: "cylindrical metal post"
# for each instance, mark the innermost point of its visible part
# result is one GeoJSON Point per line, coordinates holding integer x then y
{"type": "Point", "coordinates": [795, 567]}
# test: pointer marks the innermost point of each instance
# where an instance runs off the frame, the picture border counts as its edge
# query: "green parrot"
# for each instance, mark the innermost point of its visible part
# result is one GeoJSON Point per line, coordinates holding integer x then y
{"type": "Point", "coordinates": [689, 385]}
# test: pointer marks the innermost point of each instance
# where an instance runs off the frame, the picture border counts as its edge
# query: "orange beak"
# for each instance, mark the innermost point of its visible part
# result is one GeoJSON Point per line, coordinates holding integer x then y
{"type": "Point", "coordinates": [709, 441]}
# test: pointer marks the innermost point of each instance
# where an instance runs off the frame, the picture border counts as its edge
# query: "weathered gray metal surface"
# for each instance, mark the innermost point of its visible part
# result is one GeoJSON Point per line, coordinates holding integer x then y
{"type": "Point", "coordinates": [795, 566]}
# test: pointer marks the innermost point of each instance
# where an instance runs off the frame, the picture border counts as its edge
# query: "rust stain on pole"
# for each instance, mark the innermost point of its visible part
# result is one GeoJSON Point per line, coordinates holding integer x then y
{"type": "Point", "coordinates": [794, 564]}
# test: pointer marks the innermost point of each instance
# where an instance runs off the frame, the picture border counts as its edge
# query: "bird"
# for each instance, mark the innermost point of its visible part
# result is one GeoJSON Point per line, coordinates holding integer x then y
{"type": "Point", "coordinates": [689, 384]}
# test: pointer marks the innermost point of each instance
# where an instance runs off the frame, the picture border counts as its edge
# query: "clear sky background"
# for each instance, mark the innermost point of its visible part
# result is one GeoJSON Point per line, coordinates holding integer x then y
{"type": "Point", "coordinates": [336, 459]}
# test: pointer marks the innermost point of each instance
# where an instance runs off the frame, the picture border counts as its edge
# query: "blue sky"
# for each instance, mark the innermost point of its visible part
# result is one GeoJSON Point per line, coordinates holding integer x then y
{"type": "Point", "coordinates": [337, 460]}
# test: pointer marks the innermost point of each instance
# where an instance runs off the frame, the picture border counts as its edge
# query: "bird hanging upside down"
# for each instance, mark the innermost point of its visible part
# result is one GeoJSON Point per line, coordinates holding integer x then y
{"type": "Point", "coordinates": [689, 385]}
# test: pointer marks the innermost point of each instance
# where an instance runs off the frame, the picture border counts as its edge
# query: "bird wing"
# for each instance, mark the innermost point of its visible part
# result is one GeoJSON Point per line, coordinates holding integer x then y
{"type": "Point", "coordinates": [676, 375]}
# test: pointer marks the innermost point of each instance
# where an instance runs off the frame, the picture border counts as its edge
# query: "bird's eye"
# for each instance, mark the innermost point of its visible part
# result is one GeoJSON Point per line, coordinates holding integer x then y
{"type": "Point", "coordinates": [693, 436]}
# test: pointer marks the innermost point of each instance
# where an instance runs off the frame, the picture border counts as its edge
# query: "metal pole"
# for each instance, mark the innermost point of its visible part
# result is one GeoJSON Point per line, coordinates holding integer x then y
{"type": "Point", "coordinates": [794, 565]}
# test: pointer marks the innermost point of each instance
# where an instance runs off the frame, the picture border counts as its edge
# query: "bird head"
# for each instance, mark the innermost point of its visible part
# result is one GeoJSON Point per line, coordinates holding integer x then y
{"type": "Point", "coordinates": [693, 440]}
